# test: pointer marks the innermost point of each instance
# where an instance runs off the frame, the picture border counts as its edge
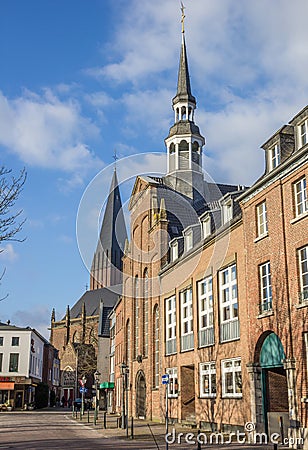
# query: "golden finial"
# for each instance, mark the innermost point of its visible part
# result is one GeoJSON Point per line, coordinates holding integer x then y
{"type": "Point", "coordinates": [183, 17]}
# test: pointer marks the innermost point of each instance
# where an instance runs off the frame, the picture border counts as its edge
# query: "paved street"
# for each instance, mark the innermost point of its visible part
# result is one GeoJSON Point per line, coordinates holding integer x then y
{"type": "Point", "coordinates": [58, 430]}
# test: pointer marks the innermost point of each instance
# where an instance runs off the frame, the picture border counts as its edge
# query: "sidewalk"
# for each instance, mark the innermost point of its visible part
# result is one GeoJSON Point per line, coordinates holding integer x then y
{"type": "Point", "coordinates": [148, 435]}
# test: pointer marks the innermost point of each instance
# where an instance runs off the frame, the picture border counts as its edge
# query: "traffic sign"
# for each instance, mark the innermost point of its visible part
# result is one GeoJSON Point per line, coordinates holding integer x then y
{"type": "Point", "coordinates": [83, 390]}
{"type": "Point", "coordinates": [165, 378]}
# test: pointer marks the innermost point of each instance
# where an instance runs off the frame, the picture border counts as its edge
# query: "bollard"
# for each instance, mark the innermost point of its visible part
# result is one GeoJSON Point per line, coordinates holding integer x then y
{"type": "Point", "coordinates": [80, 414]}
{"type": "Point", "coordinates": [88, 416]}
{"type": "Point", "coordinates": [132, 429]}
{"type": "Point", "coordinates": [105, 420]}
{"type": "Point", "coordinates": [275, 446]}
{"type": "Point", "coordinates": [198, 440]}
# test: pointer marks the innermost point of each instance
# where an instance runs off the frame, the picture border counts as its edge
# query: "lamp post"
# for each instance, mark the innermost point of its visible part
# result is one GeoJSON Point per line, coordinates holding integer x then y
{"type": "Point", "coordinates": [124, 373]}
{"type": "Point", "coordinates": [96, 378]}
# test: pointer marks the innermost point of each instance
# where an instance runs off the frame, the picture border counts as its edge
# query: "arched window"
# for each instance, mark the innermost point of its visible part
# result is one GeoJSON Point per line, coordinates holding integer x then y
{"type": "Point", "coordinates": [137, 314]}
{"type": "Point", "coordinates": [184, 155]}
{"type": "Point", "coordinates": [145, 312]}
{"type": "Point", "coordinates": [172, 157]}
{"type": "Point", "coordinates": [195, 154]}
{"type": "Point", "coordinates": [127, 342]}
{"type": "Point", "coordinates": [156, 346]}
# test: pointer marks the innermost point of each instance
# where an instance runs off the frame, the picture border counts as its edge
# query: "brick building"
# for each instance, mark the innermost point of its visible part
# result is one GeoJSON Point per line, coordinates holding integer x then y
{"type": "Point", "coordinates": [215, 284]}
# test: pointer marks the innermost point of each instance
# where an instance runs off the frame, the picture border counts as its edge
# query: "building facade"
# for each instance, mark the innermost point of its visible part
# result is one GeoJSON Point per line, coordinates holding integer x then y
{"type": "Point", "coordinates": [215, 287]}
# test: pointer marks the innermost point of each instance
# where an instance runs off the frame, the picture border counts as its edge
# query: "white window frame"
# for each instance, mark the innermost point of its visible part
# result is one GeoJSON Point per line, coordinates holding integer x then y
{"type": "Point", "coordinates": [206, 226]}
{"type": "Point", "coordinates": [274, 155]}
{"type": "Point", "coordinates": [186, 319]}
{"type": "Point", "coordinates": [170, 318]}
{"type": "Point", "coordinates": [173, 385]}
{"type": "Point", "coordinates": [265, 287]}
{"type": "Point", "coordinates": [303, 133]}
{"type": "Point", "coordinates": [207, 375]}
{"type": "Point", "coordinates": [206, 311]}
{"type": "Point", "coordinates": [228, 303]}
{"type": "Point", "coordinates": [174, 250]}
{"type": "Point", "coordinates": [234, 367]}
{"type": "Point", "coordinates": [188, 240]}
{"type": "Point", "coordinates": [262, 219]}
{"type": "Point", "coordinates": [227, 211]}
{"type": "Point", "coordinates": [300, 197]}
{"type": "Point", "coordinates": [303, 273]}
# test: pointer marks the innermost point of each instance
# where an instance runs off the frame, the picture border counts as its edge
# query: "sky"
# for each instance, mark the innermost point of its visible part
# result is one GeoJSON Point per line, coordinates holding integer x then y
{"type": "Point", "coordinates": [80, 79]}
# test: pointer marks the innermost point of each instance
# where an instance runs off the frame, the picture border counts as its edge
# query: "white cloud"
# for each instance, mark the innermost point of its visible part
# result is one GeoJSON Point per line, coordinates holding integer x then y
{"type": "Point", "coordinates": [7, 253]}
{"type": "Point", "coordinates": [35, 317]}
{"type": "Point", "coordinates": [47, 132]}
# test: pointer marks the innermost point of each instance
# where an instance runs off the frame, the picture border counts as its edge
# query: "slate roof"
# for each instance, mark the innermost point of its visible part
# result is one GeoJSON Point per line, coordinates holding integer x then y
{"type": "Point", "coordinates": [92, 300]}
{"type": "Point", "coordinates": [184, 89]}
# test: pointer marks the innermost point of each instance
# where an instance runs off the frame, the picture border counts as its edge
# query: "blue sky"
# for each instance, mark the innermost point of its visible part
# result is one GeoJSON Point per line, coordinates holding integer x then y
{"type": "Point", "coordinates": [81, 78]}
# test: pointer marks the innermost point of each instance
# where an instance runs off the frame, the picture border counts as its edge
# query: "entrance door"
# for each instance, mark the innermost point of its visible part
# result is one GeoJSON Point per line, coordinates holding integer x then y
{"type": "Point", "coordinates": [274, 386]}
{"type": "Point", "coordinates": [188, 395]}
{"type": "Point", "coordinates": [19, 399]}
{"type": "Point", "coordinates": [140, 395]}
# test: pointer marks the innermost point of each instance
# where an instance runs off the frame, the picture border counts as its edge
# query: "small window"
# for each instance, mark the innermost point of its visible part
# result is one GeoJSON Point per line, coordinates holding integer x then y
{"type": "Point", "coordinates": [227, 211]}
{"type": "Point", "coordinates": [274, 156]}
{"type": "Point", "coordinates": [1, 359]}
{"type": "Point", "coordinates": [261, 219]}
{"type": "Point", "coordinates": [174, 251]}
{"type": "Point", "coordinates": [188, 240]}
{"type": "Point", "coordinates": [231, 377]}
{"type": "Point", "coordinates": [265, 287]}
{"type": "Point", "coordinates": [15, 341]}
{"type": "Point", "coordinates": [1, 341]}
{"type": "Point", "coordinates": [303, 274]}
{"type": "Point", "coordinates": [303, 133]}
{"type": "Point", "coordinates": [173, 386]}
{"type": "Point", "coordinates": [300, 197]}
{"type": "Point", "coordinates": [13, 365]}
{"type": "Point", "coordinates": [206, 227]}
{"type": "Point", "coordinates": [208, 379]}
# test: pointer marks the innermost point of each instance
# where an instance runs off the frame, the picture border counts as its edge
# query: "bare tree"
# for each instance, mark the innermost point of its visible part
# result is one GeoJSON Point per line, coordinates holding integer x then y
{"type": "Point", "coordinates": [10, 226]}
{"type": "Point", "coordinates": [10, 189]}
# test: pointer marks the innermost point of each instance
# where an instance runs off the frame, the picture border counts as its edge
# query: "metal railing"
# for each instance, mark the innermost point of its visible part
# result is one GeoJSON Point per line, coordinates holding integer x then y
{"type": "Point", "coordinates": [206, 337]}
{"type": "Point", "coordinates": [230, 330]}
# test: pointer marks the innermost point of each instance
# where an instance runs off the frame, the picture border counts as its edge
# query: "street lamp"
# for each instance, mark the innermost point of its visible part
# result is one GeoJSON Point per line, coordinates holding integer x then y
{"type": "Point", "coordinates": [96, 378]}
{"type": "Point", "coordinates": [124, 373]}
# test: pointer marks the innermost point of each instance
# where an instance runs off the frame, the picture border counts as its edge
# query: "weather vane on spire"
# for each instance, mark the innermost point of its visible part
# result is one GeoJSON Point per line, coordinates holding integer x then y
{"type": "Point", "coordinates": [115, 157]}
{"type": "Point", "coordinates": [183, 17]}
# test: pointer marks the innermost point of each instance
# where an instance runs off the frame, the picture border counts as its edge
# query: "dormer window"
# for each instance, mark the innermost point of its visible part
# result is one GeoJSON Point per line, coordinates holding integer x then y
{"type": "Point", "coordinates": [174, 250]}
{"type": "Point", "coordinates": [188, 240]}
{"type": "Point", "coordinates": [227, 211]}
{"type": "Point", "coordinates": [303, 133]}
{"type": "Point", "coordinates": [274, 156]}
{"type": "Point", "coordinates": [206, 226]}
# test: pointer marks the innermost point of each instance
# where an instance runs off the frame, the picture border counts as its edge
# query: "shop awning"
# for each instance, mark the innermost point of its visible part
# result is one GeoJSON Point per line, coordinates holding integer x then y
{"type": "Point", "coordinates": [6, 386]}
{"type": "Point", "coordinates": [107, 385]}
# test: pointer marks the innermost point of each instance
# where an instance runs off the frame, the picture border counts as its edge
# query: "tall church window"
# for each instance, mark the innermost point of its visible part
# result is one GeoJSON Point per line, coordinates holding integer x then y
{"type": "Point", "coordinates": [145, 312]}
{"type": "Point", "coordinates": [156, 347]}
{"type": "Point", "coordinates": [137, 315]}
{"type": "Point", "coordinates": [127, 342]}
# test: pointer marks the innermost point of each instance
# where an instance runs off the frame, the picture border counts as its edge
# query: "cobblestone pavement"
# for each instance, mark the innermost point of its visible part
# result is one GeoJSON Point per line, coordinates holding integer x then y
{"type": "Point", "coordinates": [60, 429]}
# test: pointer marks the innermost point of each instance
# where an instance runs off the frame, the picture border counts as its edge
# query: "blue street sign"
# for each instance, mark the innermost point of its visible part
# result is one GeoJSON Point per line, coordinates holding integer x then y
{"type": "Point", "coordinates": [165, 378]}
{"type": "Point", "coordinates": [83, 390]}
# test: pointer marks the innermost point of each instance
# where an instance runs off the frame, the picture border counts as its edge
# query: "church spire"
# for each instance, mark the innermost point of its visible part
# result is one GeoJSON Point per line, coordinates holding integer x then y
{"type": "Point", "coordinates": [184, 142]}
{"type": "Point", "coordinates": [107, 260]}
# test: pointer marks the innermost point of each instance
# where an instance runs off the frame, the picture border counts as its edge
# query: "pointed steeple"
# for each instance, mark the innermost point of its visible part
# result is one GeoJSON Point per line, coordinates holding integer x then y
{"type": "Point", "coordinates": [107, 260]}
{"type": "Point", "coordinates": [184, 142]}
{"type": "Point", "coordinates": [183, 90]}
